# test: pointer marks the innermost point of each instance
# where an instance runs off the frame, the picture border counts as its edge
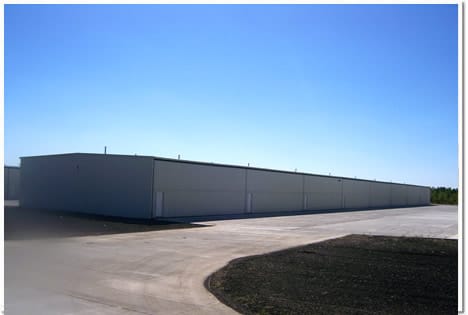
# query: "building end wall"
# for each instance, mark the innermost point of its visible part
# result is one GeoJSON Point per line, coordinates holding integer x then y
{"type": "Point", "coordinates": [100, 184]}
{"type": "Point", "coordinates": [11, 181]}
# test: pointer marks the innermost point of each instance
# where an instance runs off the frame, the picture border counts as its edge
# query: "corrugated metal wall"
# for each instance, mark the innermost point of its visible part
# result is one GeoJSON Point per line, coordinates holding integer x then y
{"type": "Point", "coordinates": [11, 181]}
{"type": "Point", "coordinates": [272, 191]}
{"type": "Point", "coordinates": [99, 184]}
{"type": "Point", "coordinates": [399, 195]}
{"type": "Point", "coordinates": [356, 194]}
{"type": "Point", "coordinates": [191, 189]}
{"type": "Point", "coordinates": [322, 193]}
{"type": "Point", "coordinates": [145, 187]}
{"type": "Point", "coordinates": [380, 195]}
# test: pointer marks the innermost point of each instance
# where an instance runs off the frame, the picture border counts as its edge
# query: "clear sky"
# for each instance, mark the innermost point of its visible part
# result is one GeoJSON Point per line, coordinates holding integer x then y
{"type": "Point", "coordinates": [353, 90]}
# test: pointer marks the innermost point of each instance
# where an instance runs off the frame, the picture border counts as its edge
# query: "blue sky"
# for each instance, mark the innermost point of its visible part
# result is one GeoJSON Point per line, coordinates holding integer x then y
{"type": "Point", "coordinates": [353, 90]}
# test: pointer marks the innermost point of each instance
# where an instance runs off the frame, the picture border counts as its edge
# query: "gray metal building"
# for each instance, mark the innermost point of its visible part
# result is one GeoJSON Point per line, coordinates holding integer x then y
{"type": "Point", "coordinates": [152, 187]}
{"type": "Point", "coordinates": [11, 182]}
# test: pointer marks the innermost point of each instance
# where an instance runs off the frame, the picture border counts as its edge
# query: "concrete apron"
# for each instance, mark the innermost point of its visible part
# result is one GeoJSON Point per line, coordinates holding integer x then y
{"type": "Point", "coordinates": [162, 272]}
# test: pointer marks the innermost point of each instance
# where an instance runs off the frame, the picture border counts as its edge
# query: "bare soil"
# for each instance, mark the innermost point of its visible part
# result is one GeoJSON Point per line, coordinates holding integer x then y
{"type": "Point", "coordinates": [356, 274]}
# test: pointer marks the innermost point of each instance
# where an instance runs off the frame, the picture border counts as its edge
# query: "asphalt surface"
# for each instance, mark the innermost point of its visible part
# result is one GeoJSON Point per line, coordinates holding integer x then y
{"type": "Point", "coordinates": [162, 272]}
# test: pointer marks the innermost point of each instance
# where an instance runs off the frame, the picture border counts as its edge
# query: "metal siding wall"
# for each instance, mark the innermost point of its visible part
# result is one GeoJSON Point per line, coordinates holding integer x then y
{"type": "Point", "coordinates": [5, 183]}
{"type": "Point", "coordinates": [11, 180]}
{"type": "Point", "coordinates": [399, 195]}
{"type": "Point", "coordinates": [413, 195]}
{"type": "Point", "coordinates": [380, 195]}
{"type": "Point", "coordinates": [322, 192]}
{"type": "Point", "coordinates": [193, 189]}
{"type": "Point", "coordinates": [99, 184]}
{"type": "Point", "coordinates": [356, 194]}
{"type": "Point", "coordinates": [272, 191]}
{"type": "Point", "coordinates": [425, 195]}
{"type": "Point", "coordinates": [127, 186]}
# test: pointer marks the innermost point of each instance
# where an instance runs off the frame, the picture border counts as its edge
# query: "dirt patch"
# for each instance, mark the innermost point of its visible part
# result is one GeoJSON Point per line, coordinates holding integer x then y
{"type": "Point", "coordinates": [23, 223]}
{"type": "Point", "coordinates": [356, 274]}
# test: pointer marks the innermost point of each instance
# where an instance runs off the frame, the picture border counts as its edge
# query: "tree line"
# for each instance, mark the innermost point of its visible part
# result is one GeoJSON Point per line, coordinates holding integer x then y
{"type": "Point", "coordinates": [444, 195]}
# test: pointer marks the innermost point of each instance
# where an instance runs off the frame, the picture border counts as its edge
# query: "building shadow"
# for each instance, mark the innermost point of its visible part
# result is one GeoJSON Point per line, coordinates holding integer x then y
{"type": "Point", "coordinates": [278, 214]}
{"type": "Point", "coordinates": [23, 224]}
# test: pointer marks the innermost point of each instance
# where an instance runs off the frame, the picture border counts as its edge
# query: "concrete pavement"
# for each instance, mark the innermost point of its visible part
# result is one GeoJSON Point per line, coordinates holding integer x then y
{"type": "Point", "coordinates": [162, 272]}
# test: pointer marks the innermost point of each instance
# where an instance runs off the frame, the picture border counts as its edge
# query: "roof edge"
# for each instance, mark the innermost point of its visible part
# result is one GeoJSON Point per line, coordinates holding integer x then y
{"type": "Point", "coordinates": [223, 165]}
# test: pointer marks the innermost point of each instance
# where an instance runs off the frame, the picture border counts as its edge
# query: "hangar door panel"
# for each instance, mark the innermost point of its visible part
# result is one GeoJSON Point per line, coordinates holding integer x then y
{"type": "Point", "coordinates": [190, 189]}
{"type": "Point", "coordinates": [322, 192]}
{"type": "Point", "coordinates": [275, 191]}
{"type": "Point", "coordinates": [399, 195]}
{"type": "Point", "coordinates": [356, 194]}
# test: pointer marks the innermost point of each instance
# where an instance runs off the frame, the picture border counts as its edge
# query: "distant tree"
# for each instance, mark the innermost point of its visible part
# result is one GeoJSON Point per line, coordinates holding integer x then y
{"type": "Point", "coordinates": [444, 195]}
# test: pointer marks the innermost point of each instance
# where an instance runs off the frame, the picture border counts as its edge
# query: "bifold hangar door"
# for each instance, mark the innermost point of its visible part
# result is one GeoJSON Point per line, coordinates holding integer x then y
{"type": "Point", "coordinates": [196, 189]}
{"type": "Point", "coordinates": [274, 191]}
{"type": "Point", "coordinates": [186, 189]}
{"type": "Point", "coordinates": [322, 193]}
{"type": "Point", "coordinates": [151, 187]}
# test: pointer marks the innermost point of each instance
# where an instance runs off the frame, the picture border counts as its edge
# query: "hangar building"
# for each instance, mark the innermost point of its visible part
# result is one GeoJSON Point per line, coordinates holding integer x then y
{"type": "Point", "coordinates": [152, 187]}
{"type": "Point", "coordinates": [11, 182]}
